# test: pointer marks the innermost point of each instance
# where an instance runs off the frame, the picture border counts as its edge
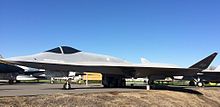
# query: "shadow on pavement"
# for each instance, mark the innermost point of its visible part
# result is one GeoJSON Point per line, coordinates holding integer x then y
{"type": "Point", "coordinates": [184, 89]}
{"type": "Point", "coordinates": [74, 88]}
{"type": "Point", "coordinates": [170, 88]}
{"type": "Point", "coordinates": [154, 87]}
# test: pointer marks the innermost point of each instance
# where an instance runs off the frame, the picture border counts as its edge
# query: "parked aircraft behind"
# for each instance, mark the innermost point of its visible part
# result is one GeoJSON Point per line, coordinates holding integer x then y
{"type": "Point", "coordinates": [43, 74]}
{"type": "Point", "coordinates": [205, 77]}
{"type": "Point", "coordinates": [114, 70]}
{"type": "Point", "coordinates": [18, 73]}
{"type": "Point", "coordinates": [9, 72]}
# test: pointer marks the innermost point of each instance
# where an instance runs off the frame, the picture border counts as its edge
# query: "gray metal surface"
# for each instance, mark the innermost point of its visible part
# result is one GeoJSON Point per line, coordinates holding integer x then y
{"type": "Point", "coordinates": [82, 61]}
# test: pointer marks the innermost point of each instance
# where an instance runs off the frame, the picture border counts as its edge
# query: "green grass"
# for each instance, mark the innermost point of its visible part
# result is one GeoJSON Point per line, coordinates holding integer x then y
{"type": "Point", "coordinates": [30, 81]}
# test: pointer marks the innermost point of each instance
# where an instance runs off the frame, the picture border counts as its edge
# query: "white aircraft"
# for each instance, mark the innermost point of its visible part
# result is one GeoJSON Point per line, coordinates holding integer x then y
{"type": "Point", "coordinates": [114, 70]}
{"type": "Point", "coordinates": [205, 77]}
{"type": "Point", "coordinates": [21, 77]}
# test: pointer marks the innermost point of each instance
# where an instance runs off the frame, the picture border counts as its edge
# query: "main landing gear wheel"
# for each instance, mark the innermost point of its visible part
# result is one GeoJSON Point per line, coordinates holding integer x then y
{"type": "Point", "coordinates": [11, 82]}
{"type": "Point", "coordinates": [200, 84]}
{"type": "Point", "coordinates": [192, 83]}
{"type": "Point", "coordinates": [67, 86]}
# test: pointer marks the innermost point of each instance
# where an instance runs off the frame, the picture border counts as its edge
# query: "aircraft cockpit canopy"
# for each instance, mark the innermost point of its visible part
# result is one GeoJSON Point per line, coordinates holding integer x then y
{"type": "Point", "coordinates": [64, 50]}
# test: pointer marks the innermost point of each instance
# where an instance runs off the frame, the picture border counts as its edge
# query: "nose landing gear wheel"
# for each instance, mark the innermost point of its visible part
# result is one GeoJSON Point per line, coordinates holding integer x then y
{"type": "Point", "coordinates": [66, 86]}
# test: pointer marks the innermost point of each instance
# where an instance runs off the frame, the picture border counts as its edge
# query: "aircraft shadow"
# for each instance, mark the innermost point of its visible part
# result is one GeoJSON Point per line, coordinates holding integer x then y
{"type": "Point", "coordinates": [7, 89]}
{"type": "Point", "coordinates": [75, 88]}
{"type": "Point", "coordinates": [154, 87]}
{"type": "Point", "coordinates": [170, 88]}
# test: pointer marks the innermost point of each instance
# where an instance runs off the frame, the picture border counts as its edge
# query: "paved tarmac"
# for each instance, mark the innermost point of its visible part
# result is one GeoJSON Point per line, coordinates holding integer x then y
{"type": "Point", "coordinates": [26, 89]}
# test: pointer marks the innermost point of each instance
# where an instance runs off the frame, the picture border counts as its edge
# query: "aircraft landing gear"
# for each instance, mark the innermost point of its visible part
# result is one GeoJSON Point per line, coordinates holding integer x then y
{"type": "Point", "coordinates": [200, 84]}
{"type": "Point", "coordinates": [147, 82]}
{"type": "Point", "coordinates": [67, 85]}
{"type": "Point", "coordinates": [11, 81]}
{"type": "Point", "coordinates": [192, 83]}
{"type": "Point", "coordinates": [12, 78]}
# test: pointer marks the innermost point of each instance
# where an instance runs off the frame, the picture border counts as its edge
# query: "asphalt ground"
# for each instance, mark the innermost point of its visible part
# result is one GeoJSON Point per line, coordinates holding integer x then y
{"type": "Point", "coordinates": [24, 89]}
{"type": "Point", "coordinates": [27, 89]}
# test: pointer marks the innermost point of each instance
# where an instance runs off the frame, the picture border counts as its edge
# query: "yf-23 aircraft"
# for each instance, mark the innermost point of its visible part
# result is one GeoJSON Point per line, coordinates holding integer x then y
{"type": "Point", "coordinates": [114, 70]}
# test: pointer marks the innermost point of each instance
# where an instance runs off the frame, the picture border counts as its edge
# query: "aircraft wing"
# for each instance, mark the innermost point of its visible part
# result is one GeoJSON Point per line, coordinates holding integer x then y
{"type": "Point", "coordinates": [10, 68]}
{"type": "Point", "coordinates": [125, 70]}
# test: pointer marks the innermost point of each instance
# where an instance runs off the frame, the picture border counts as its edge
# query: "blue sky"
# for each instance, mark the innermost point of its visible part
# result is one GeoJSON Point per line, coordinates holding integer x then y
{"type": "Point", "coordinates": [167, 31]}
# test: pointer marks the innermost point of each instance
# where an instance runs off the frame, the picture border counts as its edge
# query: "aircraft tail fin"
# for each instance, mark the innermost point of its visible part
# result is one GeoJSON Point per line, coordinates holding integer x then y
{"type": "Point", "coordinates": [1, 57]}
{"type": "Point", "coordinates": [204, 64]}
{"type": "Point", "coordinates": [217, 68]}
{"type": "Point", "coordinates": [144, 61]}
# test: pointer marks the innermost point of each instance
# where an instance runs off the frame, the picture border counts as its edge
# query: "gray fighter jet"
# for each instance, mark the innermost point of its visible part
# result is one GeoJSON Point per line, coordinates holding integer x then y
{"type": "Point", "coordinates": [114, 70]}
{"type": "Point", "coordinates": [9, 72]}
